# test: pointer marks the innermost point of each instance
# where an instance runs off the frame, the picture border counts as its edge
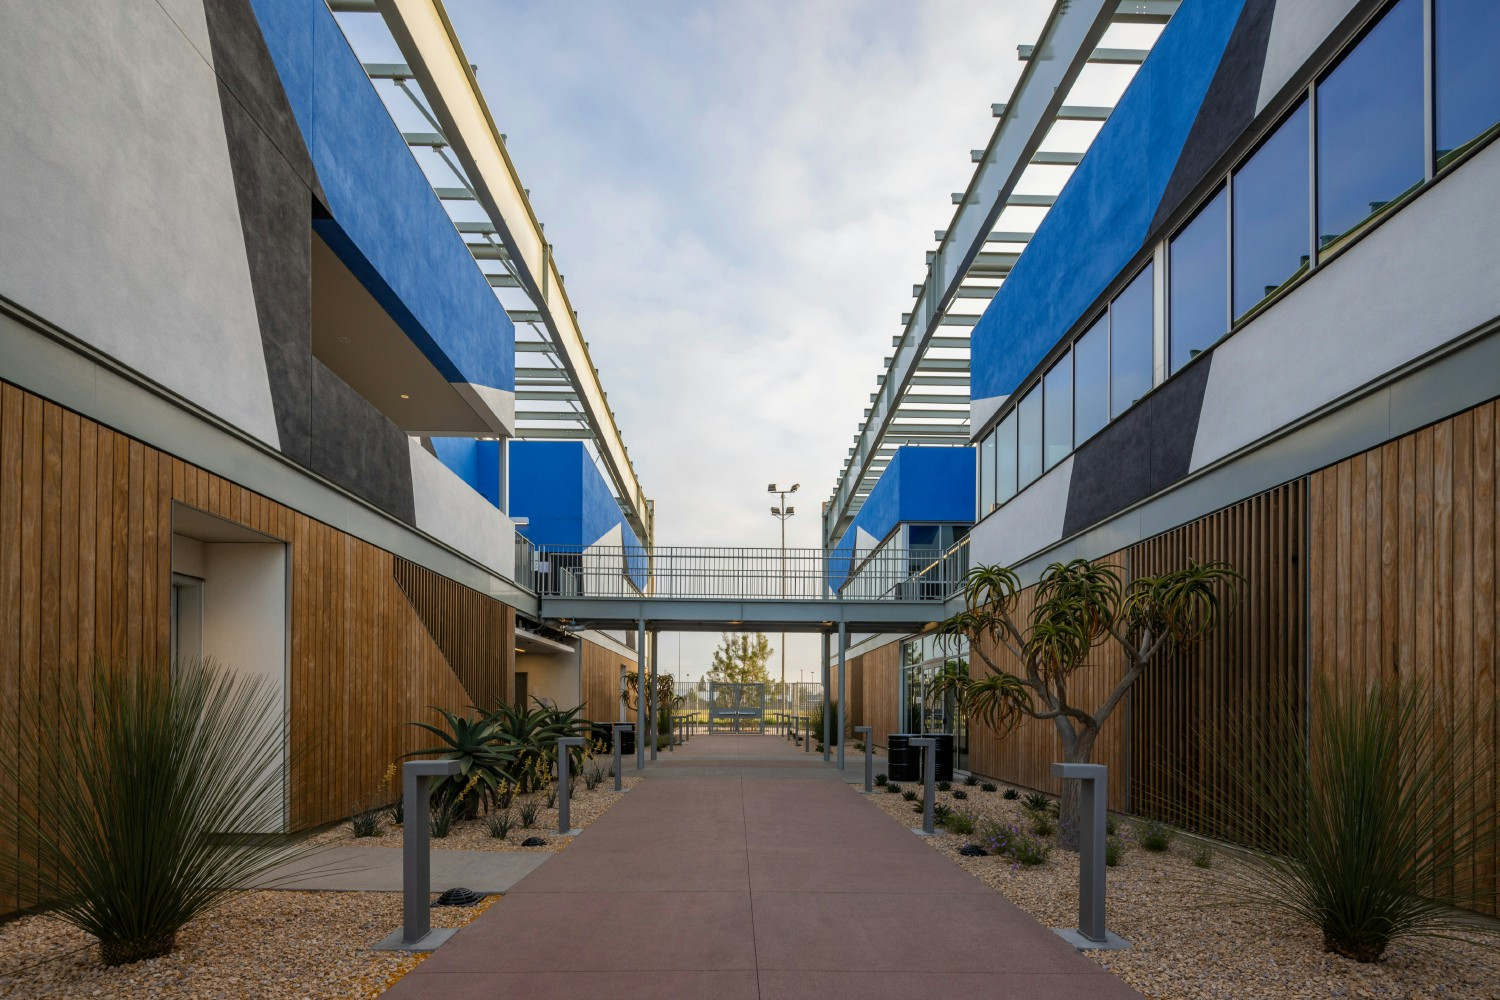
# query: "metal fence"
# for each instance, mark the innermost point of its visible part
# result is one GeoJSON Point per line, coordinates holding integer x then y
{"type": "Point", "coordinates": [745, 573]}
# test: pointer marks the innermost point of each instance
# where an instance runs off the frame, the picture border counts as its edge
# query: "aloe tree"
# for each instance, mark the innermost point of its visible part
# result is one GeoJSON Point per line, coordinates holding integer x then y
{"type": "Point", "coordinates": [1079, 606]}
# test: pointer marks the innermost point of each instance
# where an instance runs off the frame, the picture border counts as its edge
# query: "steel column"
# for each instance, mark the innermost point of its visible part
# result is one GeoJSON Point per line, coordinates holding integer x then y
{"type": "Point", "coordinates": [640, 695]}
{"type": "Point", "coordinates": [843, 651]}
{"type": "Point", "coordinates": [827, 722]}
{"type": "Point", "coordinates": [655, 704]}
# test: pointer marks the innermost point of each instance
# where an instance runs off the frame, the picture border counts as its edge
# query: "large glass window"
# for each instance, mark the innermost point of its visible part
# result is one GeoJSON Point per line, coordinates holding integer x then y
{"type": "Point", "coordinates": [1370, 124]}
{"type": "Point", "coordinates": [1199, 275]}
{"type": "Point", "coordinates": [1057, 420]}
{"type": "Point", "coordinates": [986, 475]}
{"type": "Point", "coordinates": [1029, 437]}
{"type": "Point", "coordinates": [1271, 237]}
{"type": "Point", "coordinates": [1130, 364]}
{"type": "Point", "coordinates": [1091, 381]}
{"type": "Point", "coordinates": [1466, 35]}
{"type": "Point", "coordinates": [1005, 458]}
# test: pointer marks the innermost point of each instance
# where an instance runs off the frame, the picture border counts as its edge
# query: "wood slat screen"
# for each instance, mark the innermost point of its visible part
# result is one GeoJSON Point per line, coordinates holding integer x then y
{"type": "Point", "coordinates": [1247, 677]}
{"type": "Point", "coordinates": [476, 633]}
{"type": "Point", "coordinates": [1404, 550]}
{"type": "Point", "coordinates": [85, 577]}
{"type": "Point", "coordinates": [880, 684]}
{"type": "Point", "coordinates": [600, 681]}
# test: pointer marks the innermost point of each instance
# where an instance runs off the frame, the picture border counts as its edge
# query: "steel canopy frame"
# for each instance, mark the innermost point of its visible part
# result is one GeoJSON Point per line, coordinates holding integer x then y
{"type": "Point", "coordinates": [1068, 42]}
{"type": "Point", "coordinates": [431, 48]}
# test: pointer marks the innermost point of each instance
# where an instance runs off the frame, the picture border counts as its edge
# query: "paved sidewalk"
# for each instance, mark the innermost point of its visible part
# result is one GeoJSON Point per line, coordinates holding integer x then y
{"type": "Point", "coordinates": [740, 869]}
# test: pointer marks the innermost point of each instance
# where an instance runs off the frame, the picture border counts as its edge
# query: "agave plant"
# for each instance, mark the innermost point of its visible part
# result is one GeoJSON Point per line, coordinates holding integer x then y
{"type": "Point", "coordinates": [130, 788]}
{"type": "Point", "coordinates": [483, 761]}
{"type": "Point", "coordinates": [529, 738]}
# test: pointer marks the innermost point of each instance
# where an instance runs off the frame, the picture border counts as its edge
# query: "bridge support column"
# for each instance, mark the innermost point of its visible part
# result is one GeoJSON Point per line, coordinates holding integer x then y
{"type": "Point", "coordinates": [843, 701]}
{"type": "Point", "coordinates": [827, 722]}
{"type": "Point", "coordinates": [640, 695]}
{"type": "Point", "coordinates": [655, 701]}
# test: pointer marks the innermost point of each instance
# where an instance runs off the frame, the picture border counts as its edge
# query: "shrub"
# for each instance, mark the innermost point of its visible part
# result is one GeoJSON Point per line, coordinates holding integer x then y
{"type": "Point", "coordinates": [125, 783]}
{"type": "Point", "coordinates": [882, 778]}
{"type": "Point", "coordinates": [940, 813]}
{"type": "Point", "coordinates": [443, 814]}
{"type": "Point", "coordinates": [500, 823]}
{"type": "Point", "coordinates": [971, 781]}
{"type": "Point", "coordinates": [529, 808]}
{"type": "Point", "coordinates": [815, 723]}
{"type": "Point", "coordinates": [960, 794]}
{"type": "Point", "coordinates": [1015, 844]}
{"type": "Point", "coordinates": [944, 786]}
{"type": "Point", "coordinates": [1154, 835]}
{"type": "Point", "coordinates": [366, 822]}
{"type": "Point", "coordinates": [1036, 802]}
{"type": "Point", "coordinates": [893, 788]}
{"type": "Point", "coordinates": [1377, 821]}
{"type": "Point", "coordinates": [552, 797]}
{"type": "Point", "coordinates": [1009, 793]}
{"type": "Point", "coordinates": [1111, 826]}
{"type": "Point", "coordinates": [909, 795]}
{"type": "Point", "coordinates": [1043, 823]}
{"type": "Point", "coordinates": [959, 821]}
{"type": "Point", "coordinates": [1113, 849]}
{"type": "Point", "coordinates": [398, 810]}
{"type": "Point", "coordinates": [1203, 857]}
{"type": "Point", "coordinates": [593, 777]}
{"type": "Point", "coordinates": [916, 807]}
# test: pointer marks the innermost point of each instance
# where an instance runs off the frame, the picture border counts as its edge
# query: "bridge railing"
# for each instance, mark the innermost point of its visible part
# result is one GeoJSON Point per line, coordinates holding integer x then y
{"type": "Point", "coordinates": [725, 573]}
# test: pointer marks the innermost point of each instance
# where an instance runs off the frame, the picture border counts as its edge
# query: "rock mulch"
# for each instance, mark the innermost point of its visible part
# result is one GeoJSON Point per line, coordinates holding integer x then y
{"type": "Point", "coordinates": [258, 944]}
{"type": "Point", "coordinates": [474, 834]}
{"type": "Point", "coordinates": [1187, 945]}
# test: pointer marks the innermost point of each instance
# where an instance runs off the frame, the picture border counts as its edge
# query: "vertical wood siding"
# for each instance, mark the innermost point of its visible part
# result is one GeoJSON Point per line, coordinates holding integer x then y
{"type": "Point", "coordinates": [880, 691]}
{"type": "Point", "coordinates": [476, 633]}
{"type": "Point", "coordinates": [600, 681]}
{"type": "Point", "coordinates": [1403, 555]}
{"type": "Point", "coordinates": [85, 578]}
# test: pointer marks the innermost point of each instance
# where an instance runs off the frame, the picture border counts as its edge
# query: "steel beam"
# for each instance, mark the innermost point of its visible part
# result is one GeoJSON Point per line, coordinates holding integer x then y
{"type": "Point", "coordinates": [431, 48]}
{"type": "Point", "coordinates": [1109, 57]}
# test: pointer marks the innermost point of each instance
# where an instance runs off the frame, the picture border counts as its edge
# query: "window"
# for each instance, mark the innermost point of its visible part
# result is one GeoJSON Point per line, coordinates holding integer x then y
{"type": "Point", "coordinates": [1199, 273]}
{"type": "Point", "coordinates": [1271, 214]}
{"type": "Point", "coordinates": [987, 475]}
{"type": "Point", "coordinates": [1466, 81]}
{"type": "Point", "coordinates": [922, 536]}
{"type": "Point", "coordinates": [1057, 420]}
{"type": "Point", "coordinates": [1029, 437]}
{"type": "Point", "coordinates": [1130, 344]}
{"type": "Point", "coordinates": [1005, 458]}
{"type": "Point", "coordinates": [1370, 124]}
{"type": "Point", "coordinates": [1091, 381]}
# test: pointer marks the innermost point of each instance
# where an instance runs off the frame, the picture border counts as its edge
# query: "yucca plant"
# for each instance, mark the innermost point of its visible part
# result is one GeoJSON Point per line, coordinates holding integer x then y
{"type": "Point", "coordinates": [1369, 824]}
{"type": "Point", "coordinates": [144, 800]}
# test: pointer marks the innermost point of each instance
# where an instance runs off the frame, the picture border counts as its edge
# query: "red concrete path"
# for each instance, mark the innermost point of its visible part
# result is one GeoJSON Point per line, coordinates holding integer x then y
{"type": "Point", "coordinates": [744, 869]}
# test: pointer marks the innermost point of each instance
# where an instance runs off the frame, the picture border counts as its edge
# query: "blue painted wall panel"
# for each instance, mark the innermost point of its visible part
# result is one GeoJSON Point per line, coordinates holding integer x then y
{"type": "Point", "coordinates": [1102, 217]}
{"type": "Point", "coordinates": [557, 487]}
{"type": "Point", "coordinates": [475, 462]}
{"type": "Point", "coordinates": [919, 486]}
{"type": "Point", "coordinates": [387, 225]}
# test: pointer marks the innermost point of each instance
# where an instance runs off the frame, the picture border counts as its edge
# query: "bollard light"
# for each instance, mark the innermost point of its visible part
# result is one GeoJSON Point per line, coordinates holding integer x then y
{"type": "Point", "coordinates": [563, 764]}
{"type": "Point", "coordinates": [416, 933]}
{"type": "Point", "coordinates": [928, 746]}
{"type": "Point", "coordinates": [619, 728]}
{"type": "Point", "coordinates": [868, 733]}
{"type": "Point", "coordinates": [1091, 933]}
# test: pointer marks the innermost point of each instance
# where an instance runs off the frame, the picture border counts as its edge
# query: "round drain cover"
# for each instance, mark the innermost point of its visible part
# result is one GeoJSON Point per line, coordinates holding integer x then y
{"type": "Point", "coordinates": [533, 842]}
{"type": "Point", "coordinates": [458, 896]}
{"type": "Point", "coordinates": [972, 851]}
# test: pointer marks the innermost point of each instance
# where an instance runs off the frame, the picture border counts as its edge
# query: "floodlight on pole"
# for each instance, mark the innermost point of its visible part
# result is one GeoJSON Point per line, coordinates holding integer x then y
{"type": "Point", "coordinates": [781, 512]}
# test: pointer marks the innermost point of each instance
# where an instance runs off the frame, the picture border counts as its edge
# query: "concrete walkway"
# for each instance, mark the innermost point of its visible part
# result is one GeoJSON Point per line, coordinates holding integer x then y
{"type": "Point", "coordinates": [742, 868]}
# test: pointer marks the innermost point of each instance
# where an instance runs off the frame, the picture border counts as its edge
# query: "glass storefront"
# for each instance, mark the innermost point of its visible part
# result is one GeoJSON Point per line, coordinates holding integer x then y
{"type": "Point", "coordinates": [926, 707]}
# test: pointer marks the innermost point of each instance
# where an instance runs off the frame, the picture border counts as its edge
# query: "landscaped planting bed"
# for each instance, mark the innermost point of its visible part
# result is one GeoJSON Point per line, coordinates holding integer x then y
{"type": "Point", "coordinates": [258, 944]}
{"type": "Point", "coordinates": [474, 834]}
{"type": "Point", "coordinates": [1186, 944]}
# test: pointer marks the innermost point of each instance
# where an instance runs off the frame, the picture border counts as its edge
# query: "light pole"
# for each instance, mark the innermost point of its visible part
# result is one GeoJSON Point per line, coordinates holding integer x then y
{"type": "Point", "coordinates": [781, 513]}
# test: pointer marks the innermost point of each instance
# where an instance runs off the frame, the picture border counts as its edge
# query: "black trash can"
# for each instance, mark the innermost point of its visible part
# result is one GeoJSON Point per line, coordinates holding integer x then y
{"type": "Point", "coordinates": [943, 766]}
{"type": "Point", "coordinates": [903, 762]}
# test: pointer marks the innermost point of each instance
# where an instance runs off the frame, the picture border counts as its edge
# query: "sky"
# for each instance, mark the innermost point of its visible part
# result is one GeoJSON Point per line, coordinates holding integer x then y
{"type": "Point", "coordinates": [740, 197]}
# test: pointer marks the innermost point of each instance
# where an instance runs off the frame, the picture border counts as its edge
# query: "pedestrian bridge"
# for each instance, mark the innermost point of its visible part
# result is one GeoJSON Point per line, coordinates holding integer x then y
{"type": "Point", "coordinates": [690, 588]}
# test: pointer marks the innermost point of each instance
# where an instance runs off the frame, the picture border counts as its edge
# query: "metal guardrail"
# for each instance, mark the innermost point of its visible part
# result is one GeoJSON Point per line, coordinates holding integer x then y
{"type": "Point", "coordinates": [721, 573]}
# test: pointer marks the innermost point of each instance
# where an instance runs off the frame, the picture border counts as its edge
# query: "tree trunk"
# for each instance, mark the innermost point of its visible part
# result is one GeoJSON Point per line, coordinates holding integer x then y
{"type": "Point", "coordinates": [1076, 750]}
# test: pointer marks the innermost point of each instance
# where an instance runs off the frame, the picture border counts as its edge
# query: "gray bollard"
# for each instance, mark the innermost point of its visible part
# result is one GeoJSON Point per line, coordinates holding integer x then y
{"type": "Point", "coordinates": [563, 764]}
{"type": "Point", "coordinates": [867, 732]}
{"type": "Point", "coordinates": [622, 727]}
{"type": "Point", "coordinates": [806, 736]}
{"type": "Point", "coordinates": [416, 933]}
{"type": "Point", "coordinates": [929, 790]}
{"type": "Point", "coordinates": [1091, 933]}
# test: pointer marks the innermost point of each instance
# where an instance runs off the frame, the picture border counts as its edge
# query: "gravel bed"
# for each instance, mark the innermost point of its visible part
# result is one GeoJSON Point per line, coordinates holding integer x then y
{"type": "Point", "coordinates": [263, 944]}
{"type": "Point", "coordinates": [474, 834]}
{"type": "Point", "coordinates": [1187, 945]}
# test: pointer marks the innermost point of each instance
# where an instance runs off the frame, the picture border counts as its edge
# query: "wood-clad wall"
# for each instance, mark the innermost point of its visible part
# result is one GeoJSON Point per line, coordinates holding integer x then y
{"type": "Point", "coordinates": [477, 634]}
{"type": "Point", "coordinates": [600, 681]}
{"type": "Point", "coordinates": [1403, 555]}
{"type": "Point", "coordinates": [1245, 680]}
{"type": "Point", "coordinates": [85, 577]}
{"type": "Point", "coordinates": [880, 691]}
{"type": "Point", "coordinates": [1026, 755]}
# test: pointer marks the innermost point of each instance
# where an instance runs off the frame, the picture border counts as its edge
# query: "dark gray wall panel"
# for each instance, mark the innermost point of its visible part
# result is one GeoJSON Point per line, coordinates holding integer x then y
{"type": "Point", "coordinates": [1227, 109]}
{"type": "Point", "coordinates": [357, 446]}
{"type": "Point", "coordinates": [1148, 449]}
